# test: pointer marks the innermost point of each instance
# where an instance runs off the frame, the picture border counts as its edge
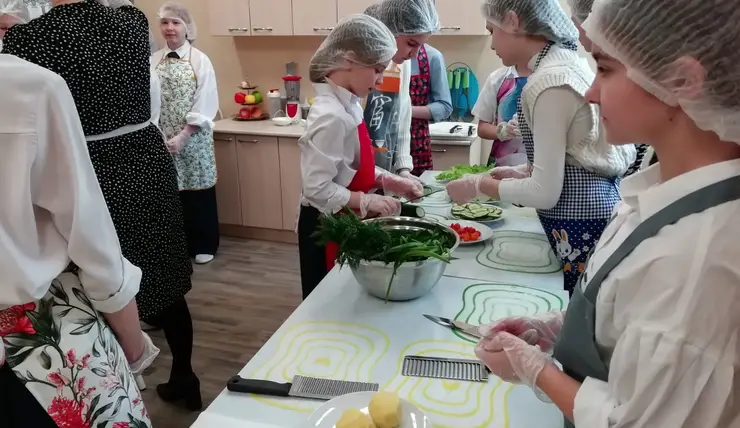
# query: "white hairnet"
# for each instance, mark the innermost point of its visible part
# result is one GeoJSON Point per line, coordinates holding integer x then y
{"type": "Point", "coordinates": [178, 12]}
{"type": "Point", "coordinates": [15, 8]}
{"type": "Point", "coordinates": [356, 39]}
{"type": "Point", "coordinates": [580, 9]}
{"type": "Point", "coordinates": [684, 52]}
{"type": "Point", "coordinates": [545, 18]}
{"type": "Point", "coordinates": [407, 17]}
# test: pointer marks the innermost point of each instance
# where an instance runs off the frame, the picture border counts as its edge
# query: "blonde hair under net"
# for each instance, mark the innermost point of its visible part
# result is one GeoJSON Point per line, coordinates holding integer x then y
{"type": "Point", "coordinates": [16, 9]}
{"type": "Point", "coordinates": [357, 39]}
{"type": "Point", "coordinates": [580, 9]}
{"type": "Point", "coordinates": [544, 18]}
{"type": "Point", "coordinates": [407, 17]}
{"type": "Point", "coordinates": [178, 12]}
{"type": "Point", "coordinates": [664, 42]}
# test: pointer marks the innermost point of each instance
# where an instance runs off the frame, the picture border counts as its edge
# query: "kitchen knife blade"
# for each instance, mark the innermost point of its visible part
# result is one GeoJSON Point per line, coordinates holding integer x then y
{"type": "Point", "coordinates": [301, 387]}
{"type": "Point", "coordinates": [455, 325]}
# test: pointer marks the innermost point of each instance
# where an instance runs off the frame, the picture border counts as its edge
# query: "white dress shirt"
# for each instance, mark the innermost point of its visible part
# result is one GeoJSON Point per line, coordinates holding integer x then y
{"type": "Point", "coordinates": [52, 210]}
{"type": "Point", "coordinates": [205, 108]}
{"type": "Point", "coordinates": [403, 144]}
{"type": "Point", "coordinates": [330, 150]}
{"type": "Point", "coordinates": [669, 314]}
{"type": "Point", "coordinates": [486, 107]}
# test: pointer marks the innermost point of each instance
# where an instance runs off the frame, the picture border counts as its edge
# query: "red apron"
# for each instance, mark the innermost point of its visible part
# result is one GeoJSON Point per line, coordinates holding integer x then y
{"type": "Point", "coordinates": [421, 142]}
{"type": "Point", "coordinates": [363, 181]}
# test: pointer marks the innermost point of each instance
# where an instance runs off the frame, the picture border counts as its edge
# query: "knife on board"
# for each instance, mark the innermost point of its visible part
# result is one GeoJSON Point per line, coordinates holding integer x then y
{"type": "Point", "coordinates": [301, 387]}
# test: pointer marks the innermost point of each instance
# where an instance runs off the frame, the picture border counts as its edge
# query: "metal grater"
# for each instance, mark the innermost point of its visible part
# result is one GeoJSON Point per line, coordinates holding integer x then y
{"type": "Point", "coordinates": [444, 368]}
{"type": "Point", "coordinates": [326, 389]}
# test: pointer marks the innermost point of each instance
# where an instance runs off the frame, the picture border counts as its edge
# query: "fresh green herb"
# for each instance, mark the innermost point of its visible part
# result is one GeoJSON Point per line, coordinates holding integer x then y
{"type": "Point", "coordinates": [458, 171]}
{"type": "Point", "coordinates": [368, 241]}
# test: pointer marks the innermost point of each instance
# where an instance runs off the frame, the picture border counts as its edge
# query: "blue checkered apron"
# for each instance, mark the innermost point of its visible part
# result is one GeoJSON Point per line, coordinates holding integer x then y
{"type": "Point", "coordinates": [586, 202]}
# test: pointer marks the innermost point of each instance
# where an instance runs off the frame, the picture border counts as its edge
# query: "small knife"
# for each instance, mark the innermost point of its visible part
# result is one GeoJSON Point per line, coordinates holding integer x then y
{"type": "Point", "coordinates": [455, 325]}
{"type": "Point", "coordinates": [301, 387]}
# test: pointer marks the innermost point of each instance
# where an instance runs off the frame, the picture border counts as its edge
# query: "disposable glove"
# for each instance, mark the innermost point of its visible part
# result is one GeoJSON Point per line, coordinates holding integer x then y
{"type": "Point", "coordinates": [512, 359]}
{"type": "Point", "coordinates": [392, 183]}
{"type": "Point", "coordinates": [545, 327]}
{"type": "Point", "coordinates": [176, 143]}
{"type": "Point", "coordinates": [502, 172]}
{"type": "Point", "coordinates": [508, 130]}
{"type": "Point", "coordinates": [465, 189]}
{"type": "Point", "coordinates": [385, 206]}
{"type": "Point", "coordinates": [407, 174]}
{"type": "Point", "coordinates": [146, 359]}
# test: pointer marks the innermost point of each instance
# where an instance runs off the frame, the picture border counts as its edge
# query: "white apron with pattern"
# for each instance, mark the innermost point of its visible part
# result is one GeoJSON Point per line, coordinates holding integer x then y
{"type": "Point", "coordinates": [196, 162]}
{"type": "Point", "coordinates": [61, 348]}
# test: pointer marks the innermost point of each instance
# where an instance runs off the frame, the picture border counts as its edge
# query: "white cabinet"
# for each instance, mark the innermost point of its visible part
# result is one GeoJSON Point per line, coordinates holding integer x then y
{"type": "Point", "coordinates": [229, 17]}
{"type": "Point", "coordinates": [462, 20]}
{"type": "Point", "coordinates": [271, 17]}
{"type": "Point", "coordinates": [346, 7]}
{"type": "Point", "coordinates": [314, 17]}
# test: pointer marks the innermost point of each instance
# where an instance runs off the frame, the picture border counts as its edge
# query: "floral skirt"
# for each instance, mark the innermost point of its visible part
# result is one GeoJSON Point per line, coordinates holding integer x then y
{"type": "Point", "coordinates": [65, 354]}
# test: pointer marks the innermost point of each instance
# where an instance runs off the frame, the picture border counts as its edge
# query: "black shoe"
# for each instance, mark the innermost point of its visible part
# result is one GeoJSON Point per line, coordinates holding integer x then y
{"type": "Point", "coordinates": [187, 390]}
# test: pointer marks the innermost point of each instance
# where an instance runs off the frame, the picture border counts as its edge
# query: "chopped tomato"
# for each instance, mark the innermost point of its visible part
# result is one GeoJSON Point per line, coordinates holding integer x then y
{"type": "Point", "coordinates": [467, 234]}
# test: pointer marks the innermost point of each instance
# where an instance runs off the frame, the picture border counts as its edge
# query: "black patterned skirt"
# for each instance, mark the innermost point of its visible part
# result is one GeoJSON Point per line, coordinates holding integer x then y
{"type": "Point", "coordinates": [139, 182]}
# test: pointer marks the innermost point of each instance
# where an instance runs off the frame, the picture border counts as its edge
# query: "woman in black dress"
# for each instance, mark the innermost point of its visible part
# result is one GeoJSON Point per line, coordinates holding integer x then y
{"type": "Point", "coordinates": [103, 55]}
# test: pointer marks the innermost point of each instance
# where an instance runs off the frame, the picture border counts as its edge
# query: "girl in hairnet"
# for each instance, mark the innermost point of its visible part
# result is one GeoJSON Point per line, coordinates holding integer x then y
{"type": "Point", "coordinates": [189, 105]}
{"type": "Point", "coordinates": [572, 177]}
{"type": "Point", "coordinates": [106, 65]}
{"type": "Point", "coordinates": [388, 107]}
{"type": "Point", "coordinates": [580, 9]}
{"type": "Point", "coordinates": [12, 12]}
{"type": "Point", "coordinates": [337, 158]}
{"type": "Point", "coordinates": [652, 335]}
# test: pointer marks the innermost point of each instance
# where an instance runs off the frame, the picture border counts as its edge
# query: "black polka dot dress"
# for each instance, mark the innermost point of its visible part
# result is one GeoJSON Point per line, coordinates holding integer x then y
{"type": "Point", "coordinates": [103, 55]}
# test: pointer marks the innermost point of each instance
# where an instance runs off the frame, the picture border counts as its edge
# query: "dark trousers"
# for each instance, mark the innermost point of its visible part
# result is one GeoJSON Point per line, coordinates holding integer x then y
{"type": "Point", "coordinates": [18, 407]}
{"type": "Point", "coordinates": [312, 255]}
{"type": "Point", "coordinates": [201, 220]}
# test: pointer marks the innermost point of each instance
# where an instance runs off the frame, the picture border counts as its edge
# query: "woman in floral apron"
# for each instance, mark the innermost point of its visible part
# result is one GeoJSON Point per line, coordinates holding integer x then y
{"type": "Point", "coordinates": [430, 100]}
{"type": "Point", "coordinates": [575, 173]}
{"type": "Point", "coordinates": [70, 341]}
{"type": "Point", "coordinates": [189, 105]}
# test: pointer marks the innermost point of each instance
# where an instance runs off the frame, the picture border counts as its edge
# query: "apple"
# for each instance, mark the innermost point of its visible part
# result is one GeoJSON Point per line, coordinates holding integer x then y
{"type": "Point", "coordinates": [256, 112]}
{"type": "Point", "coordinates": [239, 97]}
{"type": "Point", "coordinates": [257, 97]}
{"type": "Point", "coordinates": [245, 112]}
{"type": "Point", "coordinates": [250, 99]}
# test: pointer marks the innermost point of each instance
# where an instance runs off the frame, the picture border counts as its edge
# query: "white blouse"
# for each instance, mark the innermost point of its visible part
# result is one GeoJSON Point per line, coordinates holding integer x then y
{"type": "Point", "coordinates": [205, 108]}
{"type": "Point", "coordinates": [669, 314]}
{"type": "Point", "coordinates": [53, 210]}
{"type": "Point", "coordinates": [330, 153]}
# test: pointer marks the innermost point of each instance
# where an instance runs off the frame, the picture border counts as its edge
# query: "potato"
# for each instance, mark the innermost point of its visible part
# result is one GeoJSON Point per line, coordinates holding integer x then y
{"type": "Point", "coordinates": [385, 410]}
{"type": "Point", "coordinates": [353, 418]}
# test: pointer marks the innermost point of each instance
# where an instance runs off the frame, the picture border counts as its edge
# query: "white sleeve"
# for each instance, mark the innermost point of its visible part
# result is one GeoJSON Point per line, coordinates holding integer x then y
{"type": "Point", "coordinates": [155, 91]}
{"type": "Point", "coordinates": [674, 366]}
{"type": "Point", "coordinates": [403, 144]}
{"type": "Point", "coordinates": [552, 116]}
{"type": "Point", "coordinates": [71, 194]}
{"type": "Point", "coordinates": [205, 108]}
{"type": "Point", "coordinates": [322, 148]}
{"type": "Point", "coordinates": [487, 104]}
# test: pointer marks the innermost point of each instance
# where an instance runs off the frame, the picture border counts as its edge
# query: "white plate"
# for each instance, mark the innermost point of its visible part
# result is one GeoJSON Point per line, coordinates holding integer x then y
{"type": "Point", "coordinates": [485, 232]}
{"type": "Point", "coordinates": [328, 415]}
{"type": "Point", "coordinates": [483, 222]}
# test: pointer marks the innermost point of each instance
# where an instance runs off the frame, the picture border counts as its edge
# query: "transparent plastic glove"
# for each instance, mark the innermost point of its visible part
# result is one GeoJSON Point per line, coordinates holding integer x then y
{"type": "Point", "coordinates": [407, 174]}
{"type": "Point", "coordinates": [545, 327]}
{"type": "Point", "coordinates": [502, 172]}
{"type": "Point", "coordinates": [465, 189]}
{"type": "Point", "coordinates": [512, 359]}
{"type": "Point", "coordinates": [508, 130]}
{"type": "Point", "coordinates": [176, 143]}
{"type": "Point", "coordinates": [385, 206]}
{"type": "Point", "coordinates": [147, 358]}
{"type": "Point", "coordinates": [391, 183]}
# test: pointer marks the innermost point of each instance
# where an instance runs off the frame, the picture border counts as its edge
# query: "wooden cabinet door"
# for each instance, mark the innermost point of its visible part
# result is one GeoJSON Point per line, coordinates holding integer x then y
{"type": "Point", "coordinates": [461, 18]}
{"type": "Point", "coordinates": [314, 17]}
{"type": "Point", "coordinates": [346, 7]}
{"type": "Point", "coordinates": [290, 180]}
{"type": "Point", "coordinates": [271, 17]}
{"type": "Point", "coordinates": [447, 156]}
{"type": "Point", "coordinates": [227, 187]}
{"type": "Point", "coordinates": [229, 17]}
{"type": "Point", "coordinates": [259, 181]}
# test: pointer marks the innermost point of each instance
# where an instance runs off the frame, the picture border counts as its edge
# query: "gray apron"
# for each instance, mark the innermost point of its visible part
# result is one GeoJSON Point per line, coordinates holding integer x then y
{"type": "Point", "coordinates": [381, 117]}
{"type": "Point", "coordinates": [576, 347]}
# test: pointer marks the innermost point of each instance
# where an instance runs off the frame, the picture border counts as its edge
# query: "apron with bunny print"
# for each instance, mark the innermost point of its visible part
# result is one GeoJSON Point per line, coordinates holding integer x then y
{"type": "Point", "coordinates": [586, 202]}
{"type": "Point", "coordinates": [196, 162]}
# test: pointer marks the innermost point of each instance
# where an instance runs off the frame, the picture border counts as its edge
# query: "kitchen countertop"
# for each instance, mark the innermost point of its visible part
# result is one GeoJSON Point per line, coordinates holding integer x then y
{"type": "Point", "coordinates": [365, 339]}
{"type": "Point", "coordinates": [268, 129]}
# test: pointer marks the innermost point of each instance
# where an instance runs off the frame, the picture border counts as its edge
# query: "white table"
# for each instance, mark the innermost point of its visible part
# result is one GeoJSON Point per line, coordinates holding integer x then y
{"type": "Point", "coordinates": [340, 332]}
